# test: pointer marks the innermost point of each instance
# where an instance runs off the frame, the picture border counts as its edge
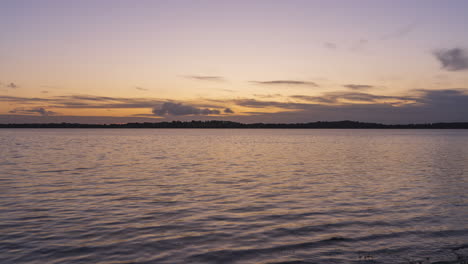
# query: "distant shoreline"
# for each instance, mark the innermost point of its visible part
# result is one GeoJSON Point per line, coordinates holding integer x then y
{"type": "Point", "coordinates": [229, 124]}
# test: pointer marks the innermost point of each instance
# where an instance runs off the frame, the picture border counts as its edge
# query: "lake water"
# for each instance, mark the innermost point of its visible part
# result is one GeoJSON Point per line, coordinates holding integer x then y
{"type": "Point", "coordinates": [233, 196]}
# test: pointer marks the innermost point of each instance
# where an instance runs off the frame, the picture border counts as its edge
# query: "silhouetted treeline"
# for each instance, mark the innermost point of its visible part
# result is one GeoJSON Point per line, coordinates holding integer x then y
{"type": "Point", "coordinates": [229, 124]}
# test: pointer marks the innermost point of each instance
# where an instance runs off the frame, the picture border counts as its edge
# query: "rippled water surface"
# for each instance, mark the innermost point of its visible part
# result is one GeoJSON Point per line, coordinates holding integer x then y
{"type": "Point", "coordinates": [233, 196]}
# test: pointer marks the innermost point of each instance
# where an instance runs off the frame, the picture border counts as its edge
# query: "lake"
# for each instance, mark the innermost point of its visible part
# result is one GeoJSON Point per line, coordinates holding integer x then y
{"type": "Point", "coordinates": [233, 196]}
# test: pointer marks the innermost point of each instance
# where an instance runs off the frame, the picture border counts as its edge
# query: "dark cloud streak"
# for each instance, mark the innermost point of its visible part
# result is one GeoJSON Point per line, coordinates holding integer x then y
{"type": "Point", "coordinates": [205, 78]}
{"type": "Point", "coordinates": [358, 86]}
{"type": "Point", "coordinates": [39, 110]}
{"type": "Point", "coordinates": [286, 82]}
{"type": "Point", "coordinates": [178, 109]}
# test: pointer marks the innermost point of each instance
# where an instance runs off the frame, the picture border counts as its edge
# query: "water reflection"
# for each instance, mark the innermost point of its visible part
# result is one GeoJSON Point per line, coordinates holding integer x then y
{"type": "Point", "coordinates": [225, 196]}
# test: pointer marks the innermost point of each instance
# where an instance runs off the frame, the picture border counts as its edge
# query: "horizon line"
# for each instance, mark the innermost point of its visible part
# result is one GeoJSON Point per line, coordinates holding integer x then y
{"type": "Point", "coordinates": [343, 124]}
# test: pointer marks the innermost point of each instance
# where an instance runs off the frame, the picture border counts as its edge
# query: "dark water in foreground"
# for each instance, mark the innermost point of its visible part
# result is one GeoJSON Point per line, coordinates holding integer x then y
{"type": "Point", "coordinates": [233, 196]}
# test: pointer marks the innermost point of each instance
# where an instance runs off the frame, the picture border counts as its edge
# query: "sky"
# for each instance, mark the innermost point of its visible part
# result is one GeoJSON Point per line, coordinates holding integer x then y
{"type": "Point", "coordinates": [114, 61]}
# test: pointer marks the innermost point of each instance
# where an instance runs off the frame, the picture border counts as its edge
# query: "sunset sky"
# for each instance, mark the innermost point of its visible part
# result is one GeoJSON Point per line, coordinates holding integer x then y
{"type": "Point", "coordinates": [113, 61]}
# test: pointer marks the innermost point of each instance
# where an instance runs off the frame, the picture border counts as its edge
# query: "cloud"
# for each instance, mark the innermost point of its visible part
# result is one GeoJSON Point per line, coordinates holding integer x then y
{"type": "Point", "coordinates": [452, 59]}
{"type": "Point", "coordinates": [227, 90]}
{"type": "Point", "coordinates": [104, 102]}
{"type": "Point", "coordinates": [253, 103]}
{"type": "Point", "coordinates": [330, 45]}
{"type": "Point", "coordinates": [358, 86]}
{"type": "Point", "coordinates": [42, 111]}
{"type": "Point", "coordinates": [267, 95]}
{"type": "Point", "coordinates": [449, 105]}
{"type": "Point", "coordinates": [400, 32]}
{"type": "Point", "coordinates": [141, 88]}
{"type": "Point", "coordinates": [12, 85]}
{"type": "Point", "coordinates": [90, 98]}
{"type": "Point", "coordinates": [205, 78]}
{"type": "Point", "coordinates": [228, 111]}
{"type": "Point", "coordinates": [23, 100]}
{"type": "Point", "coordinates": [28, 119]}
{"type": "Point", "coordinates": [100, 102]}
{"type": "Point", "coordinates": [331, 99]}
{"type": "Point", "coordinates": [354, 97]}
{"type": "Point", "coordinates": [86, 101]}
{"type": "Point", "coordinates": [39, 110]}
{"type": "Point", "coordinates": [178, 109]}
{"type": "Point", "coordinates": [286, 82]}
{"type": "Point", "coordinates": [457, 98]}
{"type": "Point", "coordinates": [359, 45]}
{"type": "Point", "coordinates": [315, 99]}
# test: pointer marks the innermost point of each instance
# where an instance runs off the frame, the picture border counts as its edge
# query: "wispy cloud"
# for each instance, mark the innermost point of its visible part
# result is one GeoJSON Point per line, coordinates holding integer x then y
{"type": "Point", "coordinates": [454, 59]}
{"type": "Point", "coordinates": [337, 98]}
{"type": "Point", "coordinates": [205, 78]}
{"type": "Point", "coordinates": [358, 86]}
{"type": "Point", "coordinates": [286, 82]}
{"type": "Point", "coordinates": [39, 110]}
{"type": "Point", "coordinates": [400, 32]}
{"type": "Point", "coordinates": [267, 95]}
{"type": "Point", "coordinates": [140, 88]}
{"type": "Point", "coordinates": [10, 85]}
{"type": "Point", "coordinates": [85, 101]}
{"type": "Point", "coordinates": [330, 99]}
{"type": "Point", "coordinates": [227, 90]}
{"type": "Point", "coordinates": [314, 99]}
{"type": "Point", "coordinates": [359, 45]}
{"type": "Point", "coordinates": [330, 45]}
{"type": "Point", "coordinates": [23, 100]}
{"type": "Point", "coordinates": [253, 103]}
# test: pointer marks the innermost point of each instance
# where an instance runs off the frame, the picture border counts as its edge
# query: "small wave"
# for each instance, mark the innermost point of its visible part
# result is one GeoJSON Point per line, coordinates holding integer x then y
{"type": "Point", "coordinates": [227, 256]}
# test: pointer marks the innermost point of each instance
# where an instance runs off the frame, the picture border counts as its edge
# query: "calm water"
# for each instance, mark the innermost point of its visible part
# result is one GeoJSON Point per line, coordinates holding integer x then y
{"type": "Point", "coordinates": [233, 196]}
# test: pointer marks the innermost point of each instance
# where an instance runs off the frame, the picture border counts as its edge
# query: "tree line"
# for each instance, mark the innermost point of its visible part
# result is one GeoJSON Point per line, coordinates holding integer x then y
{"type": "Point", "coordinates": [229, 124]}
